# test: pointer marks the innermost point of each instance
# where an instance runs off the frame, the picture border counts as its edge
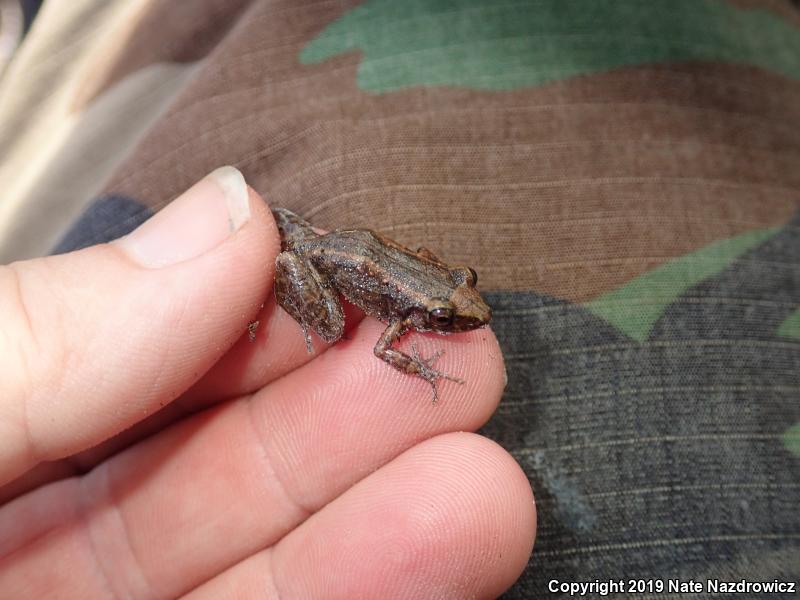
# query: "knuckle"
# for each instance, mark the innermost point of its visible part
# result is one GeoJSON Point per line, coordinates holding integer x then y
{"type": "Point", "coordinates": [17, 333]}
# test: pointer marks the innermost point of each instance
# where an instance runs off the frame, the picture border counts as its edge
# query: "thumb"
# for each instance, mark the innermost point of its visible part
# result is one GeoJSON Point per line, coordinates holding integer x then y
{"type": "Point", "coordinates": [95, 340]}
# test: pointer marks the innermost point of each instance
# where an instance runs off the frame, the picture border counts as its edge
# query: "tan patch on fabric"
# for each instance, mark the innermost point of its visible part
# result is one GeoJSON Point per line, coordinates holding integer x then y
{"type": "Point", "coordinates": [99, 138]}
{"type": "Point", "coordinates": [160, 31]}
{"type": "Point", "coordinates": [571, 188]}
{"type": "Point", "coordinates": [38, 122]}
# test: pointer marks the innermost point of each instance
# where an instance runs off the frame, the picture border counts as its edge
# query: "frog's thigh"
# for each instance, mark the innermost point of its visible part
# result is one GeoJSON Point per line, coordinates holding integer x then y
{"type": "Point", "coordinates": [308, 296]}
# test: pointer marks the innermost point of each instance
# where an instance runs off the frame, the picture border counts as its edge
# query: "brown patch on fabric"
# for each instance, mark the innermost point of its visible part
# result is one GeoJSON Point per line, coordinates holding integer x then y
{"type": "Point", "coordinates": [571, 189]}
{"type": "Point", "coordinates": [785, 8]}
{"type": "Point", "coordinates": [164, 31]}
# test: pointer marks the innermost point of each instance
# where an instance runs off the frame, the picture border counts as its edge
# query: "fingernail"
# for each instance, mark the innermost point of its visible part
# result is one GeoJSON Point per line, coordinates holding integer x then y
{"type": "Point", "coordinates": [195, 222]}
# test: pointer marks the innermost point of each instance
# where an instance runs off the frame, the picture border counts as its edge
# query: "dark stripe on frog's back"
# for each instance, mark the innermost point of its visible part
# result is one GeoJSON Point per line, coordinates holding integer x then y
{"type": "Point", "coordinates": [418, 279]}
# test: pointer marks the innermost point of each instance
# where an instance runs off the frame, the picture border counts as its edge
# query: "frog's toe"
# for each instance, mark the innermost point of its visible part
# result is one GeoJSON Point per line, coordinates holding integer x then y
{"type": "Point", "coordinates": [307, 336]}
{"type": "Point", "coordinates": [426, 370]}
{"type": "Point", "coordinates": [426, 362]}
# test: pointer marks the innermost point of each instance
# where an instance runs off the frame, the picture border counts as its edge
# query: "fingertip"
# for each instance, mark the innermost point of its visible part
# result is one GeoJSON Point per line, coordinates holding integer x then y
{"type": "Point", "coordinates": [268, 230]}
{"type": "Point", "coordinates": [485, 365]}
{"type": "Point", "coordinates": [484, 501]}
{"type": "Point", "coordinates": [193, 224]}
{"type": "Point", "coordinates": [453, 513]}
{"type": "Point", "coordinates": [259, 204]}
{"type": "Point", "coordinates": [499, 516]}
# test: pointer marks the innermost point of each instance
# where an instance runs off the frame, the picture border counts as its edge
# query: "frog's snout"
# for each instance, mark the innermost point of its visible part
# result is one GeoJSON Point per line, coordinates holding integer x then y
{"type": "Point", "coordinates": [471, 311]}
{"type": "Point", "coordinates": [483, 313]}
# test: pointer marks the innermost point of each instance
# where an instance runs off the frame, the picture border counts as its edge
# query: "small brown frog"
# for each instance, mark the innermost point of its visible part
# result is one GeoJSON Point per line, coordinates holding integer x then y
{"type": "Point", "coordinates": [406, 289]}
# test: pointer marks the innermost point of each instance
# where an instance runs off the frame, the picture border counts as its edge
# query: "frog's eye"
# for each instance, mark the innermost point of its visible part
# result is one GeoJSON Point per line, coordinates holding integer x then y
{"type": "Point", "coordinates": [441, 316]}
{"type": "Point", "coordinates": [464, 275]}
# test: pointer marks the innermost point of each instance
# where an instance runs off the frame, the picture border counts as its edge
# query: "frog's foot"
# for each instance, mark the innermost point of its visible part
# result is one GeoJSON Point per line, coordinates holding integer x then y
{"type": "Point", "coordinates": [424, 369]}
{"type": "Point", "coordinates": [251, 330]}
{"type": "Point", "coordinates": [412, 364]}
{"type": "Point", "coordinates": [426, 365]}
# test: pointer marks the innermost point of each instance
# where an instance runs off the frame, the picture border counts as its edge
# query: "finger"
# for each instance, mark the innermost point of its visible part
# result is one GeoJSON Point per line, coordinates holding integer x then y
{"type": "Point", "coordinates": [278, 348]}
{"type": "Point", "coordinates": [450, 518]}
{"type": "Point", "coordinates": [94, 341]}
{"type": "Point", "coordinates": [247, 366]}
{"type": "Point", "coordinates": [40, 475]}
{"type": "Point", "coordinates": [244, 474]}
{"type": "Point", "coordinates": [331, 422]}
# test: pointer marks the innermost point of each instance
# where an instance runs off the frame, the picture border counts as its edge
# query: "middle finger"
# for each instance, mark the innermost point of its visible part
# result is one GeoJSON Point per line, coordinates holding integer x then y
{"type": "Point", "coordinates": [219, 486]}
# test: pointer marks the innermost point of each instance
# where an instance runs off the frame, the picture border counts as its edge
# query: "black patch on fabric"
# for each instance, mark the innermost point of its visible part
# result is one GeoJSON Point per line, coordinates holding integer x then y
{"type": "Point", "coordinates": [660, 458]}
{"type": "Point", "coordinates": [106, 219]}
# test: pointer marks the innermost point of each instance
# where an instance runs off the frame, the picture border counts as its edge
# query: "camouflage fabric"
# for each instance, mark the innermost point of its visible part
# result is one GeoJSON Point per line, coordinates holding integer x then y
{"type": "Point", "coordinates": [623, 175]}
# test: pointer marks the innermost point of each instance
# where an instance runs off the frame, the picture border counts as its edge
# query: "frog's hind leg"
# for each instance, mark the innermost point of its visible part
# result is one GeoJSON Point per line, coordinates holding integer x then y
{"type": "Point", "coordinates": [292, 227]}
{"type": "Point", "coordinates": [306, 294]}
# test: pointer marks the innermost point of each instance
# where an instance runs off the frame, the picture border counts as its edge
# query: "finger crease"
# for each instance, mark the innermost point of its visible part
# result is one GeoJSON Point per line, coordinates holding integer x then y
{"type": "Point", "coordinates": [274, 591]}
{"type": "Point", "coordinates": [27, 373]}
{"type": "Point", "coordinates": [304, 511]}
{"type": "Point", "coordinates": [134, 583]}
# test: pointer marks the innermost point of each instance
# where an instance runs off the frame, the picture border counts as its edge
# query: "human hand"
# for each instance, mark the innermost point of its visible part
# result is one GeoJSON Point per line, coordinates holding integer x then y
{"type": "Point", "coordinates": [148, 450]}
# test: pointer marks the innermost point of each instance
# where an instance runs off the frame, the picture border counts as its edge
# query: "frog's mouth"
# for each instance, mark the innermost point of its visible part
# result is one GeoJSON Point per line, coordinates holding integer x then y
{"type": "Point", "coordinates": [468, 323]}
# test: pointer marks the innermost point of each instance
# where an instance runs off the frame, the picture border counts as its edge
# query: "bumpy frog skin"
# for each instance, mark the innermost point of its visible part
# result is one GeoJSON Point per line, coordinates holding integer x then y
{"type": "Point", "coordinates": [406, 289]}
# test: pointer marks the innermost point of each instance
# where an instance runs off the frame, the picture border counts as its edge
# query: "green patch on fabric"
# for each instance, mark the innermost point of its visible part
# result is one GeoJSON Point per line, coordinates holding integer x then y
{"type": "Point", "coordinates": [636, 306]}
{"type": "Point", "coordinates": [571, 504]}
{"type": "Point", "coordinates": [791, 439]}
{"type": "Point", "coordinates": [791, 326]}
{"type": "Point", "coordinates": [507, 45]}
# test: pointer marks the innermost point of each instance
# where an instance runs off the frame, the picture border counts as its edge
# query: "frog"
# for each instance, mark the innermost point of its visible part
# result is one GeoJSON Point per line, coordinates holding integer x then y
{"type": "Point", "coordinates": [408, 290]}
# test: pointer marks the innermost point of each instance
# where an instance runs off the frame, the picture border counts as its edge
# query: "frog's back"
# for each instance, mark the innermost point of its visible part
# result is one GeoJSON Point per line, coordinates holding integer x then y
{"type": "Point", "coordinates": [380, 276]}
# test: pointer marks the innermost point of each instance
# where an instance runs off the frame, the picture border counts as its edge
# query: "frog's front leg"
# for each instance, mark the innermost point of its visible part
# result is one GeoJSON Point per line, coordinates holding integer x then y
{"type": "Point", "coordinates": [413, 364]}
{"type": "Point", "coordinates": [309, 297]}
